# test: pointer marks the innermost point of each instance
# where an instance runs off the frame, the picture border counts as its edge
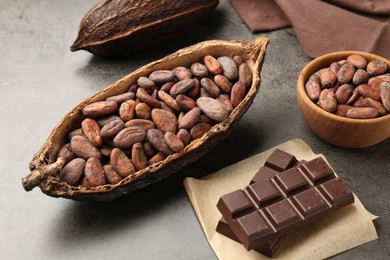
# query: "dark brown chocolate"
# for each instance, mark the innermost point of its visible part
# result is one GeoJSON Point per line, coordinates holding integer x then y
{"type": "Point", "coordinates": [268, 209]}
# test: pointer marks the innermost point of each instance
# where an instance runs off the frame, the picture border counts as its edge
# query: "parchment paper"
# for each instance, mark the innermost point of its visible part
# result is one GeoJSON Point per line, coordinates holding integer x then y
{"type": "Point", "coordinates": [344, 229]}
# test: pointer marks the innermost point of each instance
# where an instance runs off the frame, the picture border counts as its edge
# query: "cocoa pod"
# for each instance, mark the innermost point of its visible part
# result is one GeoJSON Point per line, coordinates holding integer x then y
{"type": "Point", "coordinates": [100, 108]}
{"type": "Point", "coordinates": [112, 176]}
{"type": "Point", "coordinates": [376, 67]}
{"type": "Point", "coordinates": [210, 87]}
{"type": "Point", "coordinates": [116, 28]}
{"type": "Point", "coordinates": [190, 118]}
{"type": "Point", "coordinates": [73, 171]}
{"type": "Point", "coordinates": [173, 142]}
{"type": "Point", "coordinates": [121, 163]}
{"type": "Point", "coordinates": [112, 129]}
{"type": "Point", "coordinates": [358, 61]}
{"type": "Point", "coordinates": [212, 64]}
{"type": "Point", "coordinates": [362, 112]}
{"type": "Point", "coordinates": [385, 95]}
{"type": "Point", "coordinates": [94, 173]}
{"type": "Point", "coordinates": [121, 97]}
{"type": "Point", "coordinates": [83, 148]}
{"type": "Point", "coordinates": [164, 120]}
{"type": "Point", "coordinates": [245, 74]}
{"type": "Point", "coordinates": [223, 83]}
{"type": "Point", "coordinates": [346, 73]}
{"type": "Point", "coordinates": [199, 130]}
{"type": "Point", "coordinates": [327, 101]}
{"type": "Point", "coordinates": [138, 156]}
{"type": "Point", "coordinates": [140, 123]}
{"type": "Point", "coordinates": [156, 138]}
{"type": "Point", "coordinates": [238, 93]}
{"type": "Point", "coordinates": [229, 67]}
{"type": "Point", "coordinates": [129, 136]}
{"type": "Point", "coordinates": [212, 108]}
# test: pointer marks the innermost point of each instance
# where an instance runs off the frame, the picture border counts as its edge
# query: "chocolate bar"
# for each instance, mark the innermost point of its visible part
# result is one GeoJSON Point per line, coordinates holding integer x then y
{"type": "Point", "coordinates": [270, 208]}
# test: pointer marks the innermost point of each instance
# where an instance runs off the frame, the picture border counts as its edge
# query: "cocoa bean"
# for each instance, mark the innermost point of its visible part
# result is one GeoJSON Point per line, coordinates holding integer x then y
{"type": "Point", "coordinates": [182, 87]}
{"type": "Point", "coordinates": [212, 108]}
{"type": "Point", "coordinates": [204, 93]}
{"type": "Point", "coordinates": [112, 176]}
{"type": "Point", "coordinates": [357, 61]}
{"type": "Point", "coordinates": [83, 148]}
{"type": "Point", "coordinates": [238, 93]}
{"type": "Point", "coordinates": [121, 97]}
{"type": "Point", "coordinates": [164, 120]}
{"type": "Point", "coordinates": [199, 70]}
{"type": "Point", "coordinates": [167, 86]}
{"type": "Point", "coordinates": [182, 73]}
{"type": "Point", "coordinates": [102, 121]}
{"type": "Point", "coordinates": [335, 67]}
{"type": "Point", "coordinates": [158, 157]}
{"type": "Point", "coordinates": [385, 95]}
{"type": "Point", "coordinates": [359, 102]}
{"type": "Point", "coordinates": [167, 108]}
{"type": "Point", "coordinates": [375, 82]}
{"type": "Point", "coordinates": [169, 100]}
{"type": "Point", "coordinates": [173, 142]}
{"type": "Point", "coordinates": [127, 110]}
{"type": "Point", "coordinates": [75, 132]}
{"type": "Point", "coordinates": [190, 118]}
{"type": "Point", "coordinates": [223, 83]}
{"type": "Point", "coordinates": [212, 64]}
{"type": "Point", "coordinates": [327, 78]}
{"type": "Point", "coordinates": [343, 93]}
{"type": "Point", "coordinates": [73, 171]}
{"type": "Point", "coordinates": [313, 90]}
{"type": "Point", "coordinates": [327, 101]}
{"type": "Point", "coordinates": [245, 74]}
{"type": "Point", "coordinates": [138, 156]}
{"type": "Point", "coordinates": [145, 82]}
{"type": "Point", "coordinates": [66, 153]}
{"type": "Point", "coordinates": [229, 67]}
{"type": "Point", "coordinates": [346, 73]}
{"type": "Point", "coordinates": [112, 129]}
{"type": "Point", "coordinates": [121, 163]}
{"type": "Point", "coordinates": [205, 119]}
{"type": "Point", "coordinates": [184, 136]}
{"type": "Point", "coordinates": [362, 112]}
{"type": "Point", "coordinates": [94, 173]}
{"type": "Point", "coordinates": [133, 88]}
{"type": "Point", "coordinates": [162, 76]}
{"type": "Point", "coordinates": [106, 150]}
{"type": "Point", "coordinates": [225, 100]}
{"type": "Point", "coordinates": [210, 87]}
{"type": "Point", "coordinates": [342, 110]}
{"type": "Point", "coordinates": [377, 105]}
{"type": "Point", "coordinates": [143, 110]}
{"type": "Point", "coordinates": [185, 103]}
{"type": "Point", "coordinates": [148, 99]}
{"type": "Point", "coordinates": [238, 60]}
{"type": "Point", "coordinates": [100, 108]}
{"type": "Point", "coordinates": [375, 68]}
{"type": "Point", "coordinates": [148, 149]}
{"type": "Point", "coordinates": [355, 95]}
{"type": "Point", "coordinates": [156, 138]}
{"type": "Point", "coordinates": [368, 91]}
{"type": "Point", "coordinates": [361, 76]}
{"type": "Point", "coordinates": [129, 136]}
{"type": "Point", "coordinates": [140, 123]}
{"type": "Point", "coordinates": [194, 92]}
{"type": "Point", "coordinates": [199, 129]}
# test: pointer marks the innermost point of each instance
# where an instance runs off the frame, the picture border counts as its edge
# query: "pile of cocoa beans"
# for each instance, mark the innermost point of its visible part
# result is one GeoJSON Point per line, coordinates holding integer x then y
{"type": "Point", "coordinates": [158, 116]}
{"type": "Point", "coordinates": [353, 88]}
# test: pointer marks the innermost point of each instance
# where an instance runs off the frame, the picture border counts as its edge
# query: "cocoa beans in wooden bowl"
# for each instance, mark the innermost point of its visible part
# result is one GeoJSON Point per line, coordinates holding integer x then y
{"type": "Point", "coordinates": [151, 123]}
{"type": "Point", "coordinates": [344, 98]}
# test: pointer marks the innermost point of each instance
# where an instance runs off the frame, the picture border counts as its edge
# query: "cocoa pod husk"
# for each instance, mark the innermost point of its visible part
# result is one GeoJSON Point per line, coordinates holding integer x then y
{"type": "Point", "coordinates": [117, 28]}
{"type": "Point", "coordinates": [45, 164]}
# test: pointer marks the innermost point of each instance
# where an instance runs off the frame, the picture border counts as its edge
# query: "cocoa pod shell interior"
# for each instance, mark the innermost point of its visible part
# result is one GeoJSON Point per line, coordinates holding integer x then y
{"type": "Point", "coordinates": [45, 165]}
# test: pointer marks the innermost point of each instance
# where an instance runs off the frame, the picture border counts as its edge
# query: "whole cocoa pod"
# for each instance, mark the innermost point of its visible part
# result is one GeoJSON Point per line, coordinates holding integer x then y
{"type": "Point", "coordinates": [114, 28]}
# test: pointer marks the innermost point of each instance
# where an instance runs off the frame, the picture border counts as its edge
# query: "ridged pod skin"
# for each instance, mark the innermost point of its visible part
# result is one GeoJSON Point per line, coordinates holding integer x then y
{"type": "Point", "coordinates": [119, 27]}
{"type": "Point", "coordinates": [45, 165]}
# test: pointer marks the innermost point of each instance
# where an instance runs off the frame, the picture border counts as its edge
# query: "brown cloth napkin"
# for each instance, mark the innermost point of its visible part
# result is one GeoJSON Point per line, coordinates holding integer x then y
{"type": "Point", "coordinates": [323, 27]}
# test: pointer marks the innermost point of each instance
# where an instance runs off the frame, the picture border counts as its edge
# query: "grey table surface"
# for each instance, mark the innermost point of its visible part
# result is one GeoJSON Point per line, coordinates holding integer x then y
{"type": "Point", "coordinates": [41, 80]}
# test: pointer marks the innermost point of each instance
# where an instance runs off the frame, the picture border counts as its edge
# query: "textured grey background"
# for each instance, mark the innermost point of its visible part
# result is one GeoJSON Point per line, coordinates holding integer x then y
{"type": "Point", "coordinates": [41, 80]}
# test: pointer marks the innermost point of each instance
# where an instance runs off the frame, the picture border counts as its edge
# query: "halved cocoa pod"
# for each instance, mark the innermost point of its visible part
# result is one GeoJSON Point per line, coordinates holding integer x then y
{"type": "Point", "coordinates": [116, 28]}
{"type": "Point", "coordinates": [45, 165]}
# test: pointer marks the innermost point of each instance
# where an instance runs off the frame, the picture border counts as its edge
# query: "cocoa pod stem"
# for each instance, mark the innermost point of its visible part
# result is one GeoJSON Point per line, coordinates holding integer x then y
{"type": "Point", "coordinates": [37, 176]}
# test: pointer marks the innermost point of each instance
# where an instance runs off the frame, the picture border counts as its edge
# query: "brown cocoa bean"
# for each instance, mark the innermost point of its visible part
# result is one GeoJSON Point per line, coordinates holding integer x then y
{"type": "Point", "coordinates": [245, 74]}
{"type": "Point", "coordinates": [327, 78]}
{"type": "Point", "coordinates": [140, 123]}
{"type": "Point", "coordinates": [167, 108]}
{"type": "Point", "coordinates": [342, 110]}
{"type": "Point", "coordinates": [145, 82]}
{"type": "Point", "coordinates": [167, 86]}
{"type": "Point", "coordinates": [75, 132]}
{"type": "Point", "coordinates": [184, 136]}
{"type": "Point", "coordinates": [143, 110]}
{"type": "Point", "coordinates": [173, 142]}
{"type": "Point", "coordinates": [94, 173]}
{"type": "Point", "coordinates": [205, 119]}
{"type": "Point", "coordinates": [199, 70]}
{"type": "Point", "coordinates": [156, 138]}
{"type": "Point", "coordinates": [194, 92]}
{"type": "Point", "coordinates": [83, 148]}
{"type": "Point", "coordinates": [106, 150]}
{"type": "Point", "coordinates": [164, 120]}
{"type": "Point", "coordinates": [229, 67]}
{"type": "Point", "coordinates": [335, 67]}
{"type": "Point", "coordinates": [185, 103]}
{"type": "Point", "coordinates": [375, 82]}
{"type": "Point", "coordinates": [162, 76]}
{"type": "Point", "coordinates": [181, 114]}
{"type": "Point", "coordinates": [368, 91]}
{"type": "Point", "coordinates": [210, 87]}
{"type": "Point", "coordinates": [376, 67]}
{"type": "Point", "coordinates": [112, 129]}
{"type": "Point", "coordinates": [355, 95]}
{"type": "Point", "coordinates": [112, 176]}
{"type": "Point", "coordinates": [121, 97]}
{"type": "Point", "coordinates": [225, 100]}
{"type": "Point", "coordinates": [359, 102]}
{"type": "Point", "coordinates": [385, 95]}
{"type": "Point", "coordinates": [377, 105]}
{"type": "Point", "coordinates": [190, 118]}
{"type": "Point", "coordinates": [361, 76]}
{"type": "Point", "coordinates": [182, 73]}
{"type": "Point", "coordinates": [346, 73]}
{"type": "Point", "coordinates": [343, 93]}
{"type": "Point", "coordinates": [182, 87]}
{"type": "Point", "coordinates": [138, 156]}
{"type": "Point", "coordinates": [327, 101]}
{"type": "Point", "coordinates": [199, 129]}
{"type": "Point", "coordinates": [313, 90]}
{"type": "Point", "coordinates": [127, 110]}
{"type": "Point", "coordinates": [169, 100]}
{"type": "Point", "coordinates": [212, 64]}
{"type": "Point", "coordinates": [148, 99]}
{"type": "Point", "coordinates": [362, 112]}
{"type": "Point", "coordinates": [204, 93]}
{"type": "Point", "coordinates": [148, 149]}
{"type": "Point", "coordinates": [158, 157]}
{"type": "Point", "coordinates": [357, 61]}
{"type": "Point", "coordinates": [223, 83]}
{"type": "Point", "coordinates": [133, 88]}
{"type": "Point", "coordinates": [121, 163]}
{"type": "Point", "coordinates": [238, 60]}
{"type": "Point", "coordinates": [129, 136]}
{"type": "Point", "coordinates": [66, 153]}
{"type": "Point", "coordinates": [100, 108]}
{"type": "Point", "coordinates": [238, 93]}
{"type": "Point", "coordinates": [212, 108]}
{"type": "Point", "coordinates": [102, 121]}
{"type": "Point", "coordinates": [73, 171]}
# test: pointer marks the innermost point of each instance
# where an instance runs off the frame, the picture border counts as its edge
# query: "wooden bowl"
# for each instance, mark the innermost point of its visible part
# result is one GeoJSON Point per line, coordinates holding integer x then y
{"type": "Point", "coordinates": [337, 130]}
